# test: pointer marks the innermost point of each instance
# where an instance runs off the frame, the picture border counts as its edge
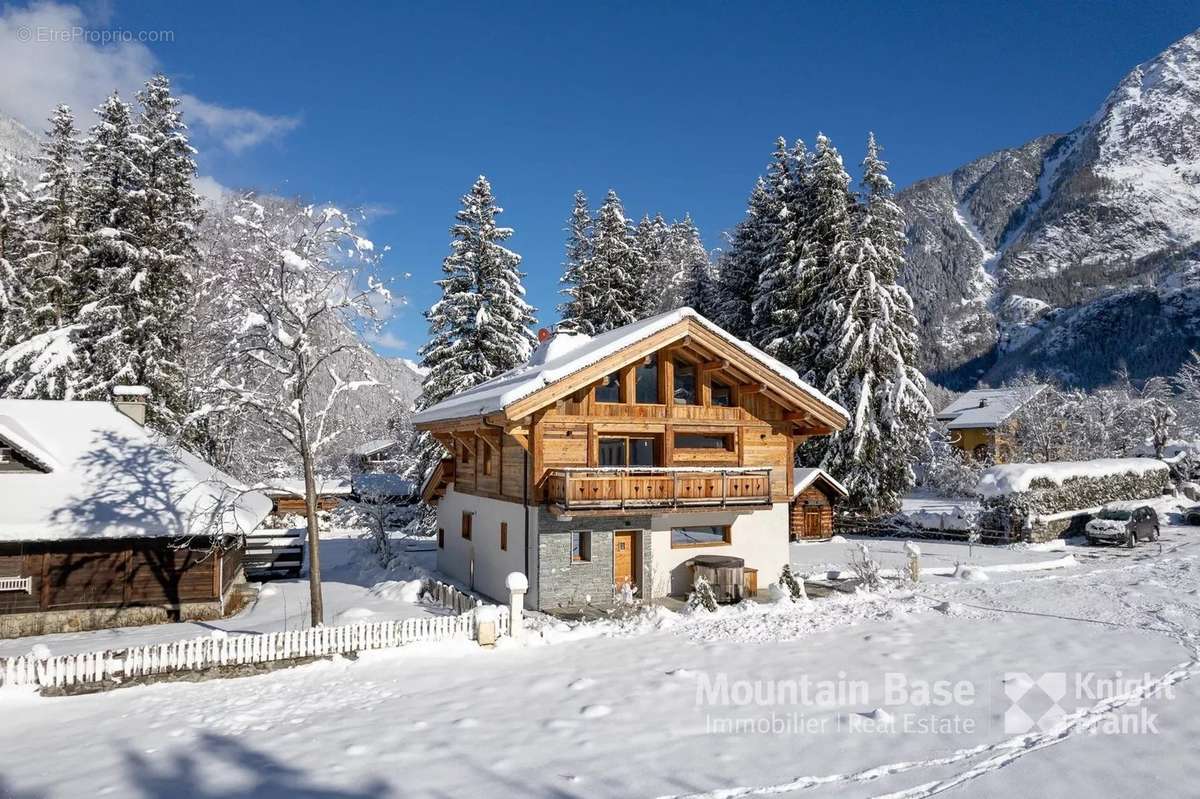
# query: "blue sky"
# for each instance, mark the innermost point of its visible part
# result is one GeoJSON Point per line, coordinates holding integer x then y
{"type": "Point", "coordinates": [397, 107]}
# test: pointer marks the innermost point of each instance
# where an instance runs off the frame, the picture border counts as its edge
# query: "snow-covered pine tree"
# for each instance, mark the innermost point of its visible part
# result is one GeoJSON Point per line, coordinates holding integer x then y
{"type": "Point", "coordinates": [612, 296]}
{"type": "Point", "coordinates": [109, 287]}
{"type": "Point", "coordinates": [14, 294]}
{"type": "Point", "coordinates": [44, 363]}
{"type": "Point", "coordinates": [778, 311]}
{"type": "Point", "coordinates": [742, 263]}
{"type": "Point", "coordinates": [165, 225]}
{"type": "Point", "coordinates": [655, 282]}
{"type": "Point", "coordinates": [693, 278]}
{"type": "Point", "coordinates": [577, 286]}
{"type": "Point", "coordinates": [480, 328]}
{"type": "Point", "coordinates": [867, 334]}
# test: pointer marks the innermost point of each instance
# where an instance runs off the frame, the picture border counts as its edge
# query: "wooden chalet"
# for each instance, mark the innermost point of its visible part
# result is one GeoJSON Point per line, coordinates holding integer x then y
{"type": "Point", "coordinates": [668, 434]}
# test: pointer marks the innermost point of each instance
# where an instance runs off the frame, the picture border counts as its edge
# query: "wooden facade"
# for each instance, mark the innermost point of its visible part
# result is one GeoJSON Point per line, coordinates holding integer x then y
{"type": "Point", "coordinates": [684, 417]}
{"type": "Point", "coordinates": [114, 573]}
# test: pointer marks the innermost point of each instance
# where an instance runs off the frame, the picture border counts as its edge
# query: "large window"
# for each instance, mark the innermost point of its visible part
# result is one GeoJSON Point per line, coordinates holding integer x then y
{"type": "Point", "coordinates": [646, 391]}
{"type": "Point", "coordinates": [722, 441]}
{"type": "Point", "coordinates": [627, 451]}
{"type": "Point", "coordinates": [581, 546]}
{"type": "Point", "coordinates": [610, 389]}
{"type": "Point", "coordinates": [721, 394]}
{"type": "Point", "coordinates": [700, 536]}
{"type": "Point", "coordinates": [685, 384]}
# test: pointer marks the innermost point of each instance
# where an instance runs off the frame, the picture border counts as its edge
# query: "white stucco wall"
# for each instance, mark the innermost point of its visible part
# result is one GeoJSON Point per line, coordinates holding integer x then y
{"type": "Point", "coordinates": [760, 538]}
{"type": "Point", "coordinates": [492, 565]}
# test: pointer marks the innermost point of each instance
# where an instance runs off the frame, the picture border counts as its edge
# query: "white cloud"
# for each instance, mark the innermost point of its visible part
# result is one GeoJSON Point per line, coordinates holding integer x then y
{"type": "Point", "coordinates": [210, 190]}
{"type": "Point", "coordinates": [386, 339]}
{"type": "Point", "coordinates": [52, 53]}
{"type": "Point", "coordinates": [237, 128]}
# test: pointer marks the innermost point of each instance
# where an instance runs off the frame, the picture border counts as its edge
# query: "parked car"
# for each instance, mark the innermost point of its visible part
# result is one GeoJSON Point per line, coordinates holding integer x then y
{"type": "Point", "coordinates": [1123, 523]}
{"type": "Point", "coordinates": [1192, 516]}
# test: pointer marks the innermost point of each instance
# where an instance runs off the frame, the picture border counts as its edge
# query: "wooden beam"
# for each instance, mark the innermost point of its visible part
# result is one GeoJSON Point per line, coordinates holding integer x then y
{"type": "Point", "coordinates": [751, 388]}
{"type": "Point", "coordinates": [466, 439]}
{"type": "Point", "coordinates": [494, 446]}
{"type": "Point", "coordinates": [709, 366]}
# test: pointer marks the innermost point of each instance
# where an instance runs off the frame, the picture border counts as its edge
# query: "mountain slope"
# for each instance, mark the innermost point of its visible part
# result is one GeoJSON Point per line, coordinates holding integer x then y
{"type": "Point", "coordinates": [1027, 259]}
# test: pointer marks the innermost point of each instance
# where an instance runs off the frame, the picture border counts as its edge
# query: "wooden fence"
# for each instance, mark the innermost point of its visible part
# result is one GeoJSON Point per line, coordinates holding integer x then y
{"type": "Point", "coordinates": [198, 654]}
{"type": "Point", "coordinates": [450, 597]}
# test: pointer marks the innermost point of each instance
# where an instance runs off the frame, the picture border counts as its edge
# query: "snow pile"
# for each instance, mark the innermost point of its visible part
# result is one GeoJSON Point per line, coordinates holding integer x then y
{"type": "Point", "coordinates": [1011, 478]}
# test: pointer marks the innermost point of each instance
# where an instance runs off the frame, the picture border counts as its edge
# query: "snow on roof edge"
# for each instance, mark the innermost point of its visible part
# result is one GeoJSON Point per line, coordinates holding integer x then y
{"type": "Point", "coordinates": [805, 477]}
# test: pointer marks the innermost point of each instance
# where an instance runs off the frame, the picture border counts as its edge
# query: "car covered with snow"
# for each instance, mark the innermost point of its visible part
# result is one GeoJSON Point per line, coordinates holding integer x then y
{"type": "Point", "coordinates": [1191, 516]}
{"type": "Point", "coordinates": [1124, 523]}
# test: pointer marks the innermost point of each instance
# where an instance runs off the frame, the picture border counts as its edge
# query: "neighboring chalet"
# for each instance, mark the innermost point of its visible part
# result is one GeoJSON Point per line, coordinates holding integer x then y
{"type": "Point", "coordinates": [287, 495]}
{"type": "Point", "coordinates": [104, 523]}
{"type": "Point", "coordinates": [813, 499]}
{"type": "Point", "coordinates": [977, 420]}
{"type": "Point", "coordinates": [624, 459]}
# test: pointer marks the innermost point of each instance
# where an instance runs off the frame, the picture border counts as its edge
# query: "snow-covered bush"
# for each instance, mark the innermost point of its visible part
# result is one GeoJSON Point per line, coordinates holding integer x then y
{"type": "Point", "coordinates": [1014, 493]}
{"type": "Point", "coordinates": [866, 567]}
{"type": "Point", "coordinates": [794, 586]}
{"type": "Point", "coordinates": [702, 597]}
{"type": "Point", "coordinates": [950, 472]}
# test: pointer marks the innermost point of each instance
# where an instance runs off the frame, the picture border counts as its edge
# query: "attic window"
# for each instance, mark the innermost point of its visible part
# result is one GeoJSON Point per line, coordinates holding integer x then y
{"type": "Point", "coordinates": [610, 389]}
{"type": "Point", "coordinates": [6, 455]}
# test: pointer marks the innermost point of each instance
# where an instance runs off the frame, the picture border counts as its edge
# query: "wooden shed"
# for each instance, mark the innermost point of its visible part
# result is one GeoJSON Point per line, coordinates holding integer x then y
{"type": "Point", "coordinates": [813, 500]}
{"type": "Point", "coordinates": [106, 524]}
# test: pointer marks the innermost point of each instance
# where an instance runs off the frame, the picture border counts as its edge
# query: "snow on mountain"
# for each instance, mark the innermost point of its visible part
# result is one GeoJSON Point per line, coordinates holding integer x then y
{"type": "Point", "coordinates": [1028, 258]}
{"type": "Point", "coordinates": [18, 146]}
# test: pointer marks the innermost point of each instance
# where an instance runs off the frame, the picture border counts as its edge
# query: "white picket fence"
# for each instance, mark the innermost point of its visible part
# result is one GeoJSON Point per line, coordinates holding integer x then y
{"type": "Point", "coordinates": [212, 651]}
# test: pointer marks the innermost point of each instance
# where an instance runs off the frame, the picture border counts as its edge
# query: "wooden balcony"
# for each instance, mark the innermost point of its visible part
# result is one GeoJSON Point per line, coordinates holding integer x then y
{"type": "Point", "coordinates": [655, 488]}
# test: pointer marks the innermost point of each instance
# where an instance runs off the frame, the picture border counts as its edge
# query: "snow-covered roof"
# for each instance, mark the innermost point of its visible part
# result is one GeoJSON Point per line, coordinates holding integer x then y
{"type": "Point", "coordinates": [565, 354]}
{"type": "Point", "coordinates": [1011, 478]}
{"type": "Point", "coordinates": [390, 485]}
{"type": "Point", "coordinates": [130, 391]}
{"type": "Point", "coordinates": [375, 445]}
{"type": "Point", "coordinates": [805, 477]}
{"type": "Point", "coordinates": [294, 487]}
{"type": "Point", "coordinates": [108, 477]}
{"type": "Point", "coordinates": [987, 407]}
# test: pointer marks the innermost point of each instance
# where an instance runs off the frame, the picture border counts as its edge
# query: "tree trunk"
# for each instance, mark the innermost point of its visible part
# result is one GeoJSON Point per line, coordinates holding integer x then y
{"type": "Point", "coordinates": [314, 538]}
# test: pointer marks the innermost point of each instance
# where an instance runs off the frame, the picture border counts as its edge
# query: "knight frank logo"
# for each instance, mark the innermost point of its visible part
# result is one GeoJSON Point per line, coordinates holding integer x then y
{"type": "Point", "coordinates": [1034, 702]}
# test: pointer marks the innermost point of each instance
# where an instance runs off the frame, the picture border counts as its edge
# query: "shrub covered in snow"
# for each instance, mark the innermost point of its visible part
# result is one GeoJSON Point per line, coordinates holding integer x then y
{"type": "Point", "coordinates": [1015, 494]}
{"type": "Point", "coordinates": [702, 597]}
{"type": "Point", "coordinates": [788, 581]}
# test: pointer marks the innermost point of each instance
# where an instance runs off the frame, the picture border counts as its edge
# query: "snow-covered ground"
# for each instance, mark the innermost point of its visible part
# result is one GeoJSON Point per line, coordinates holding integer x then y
{"type": "Point", "coordinates": [632, 707]}
{"type": "Point", "coordinates": [354, 589]}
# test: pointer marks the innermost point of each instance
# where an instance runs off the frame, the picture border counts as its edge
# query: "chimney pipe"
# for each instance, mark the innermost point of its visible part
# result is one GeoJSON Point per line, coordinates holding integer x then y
{"type": "Point", "coordinates": [131, 401]}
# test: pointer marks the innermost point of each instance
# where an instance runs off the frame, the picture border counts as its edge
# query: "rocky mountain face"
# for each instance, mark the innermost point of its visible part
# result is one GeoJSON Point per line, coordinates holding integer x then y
{"type": "Point", "coordinates": [1074, 253]}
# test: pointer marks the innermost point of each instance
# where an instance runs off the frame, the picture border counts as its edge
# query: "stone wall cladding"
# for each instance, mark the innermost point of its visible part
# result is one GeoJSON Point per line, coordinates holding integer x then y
{"type": "Point", "coordinates": [19, 625]}
{"type": "Point", "coordinates": [562, 583]}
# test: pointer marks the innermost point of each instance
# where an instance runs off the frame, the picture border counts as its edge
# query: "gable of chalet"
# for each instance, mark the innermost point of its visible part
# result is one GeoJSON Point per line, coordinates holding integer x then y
{"type": "Point", "coordinates": [527, 390]}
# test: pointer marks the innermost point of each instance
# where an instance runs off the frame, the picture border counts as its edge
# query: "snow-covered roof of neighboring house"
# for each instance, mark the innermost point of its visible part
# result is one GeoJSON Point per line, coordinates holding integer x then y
{"type": "Point", "coordinates": [1010, 478]}
{"type": "Point", "coordinates": [389, 485]}
{"type": "Point", "coordinates": [374, 446]}
{"type": "Point", "coordinates": [987, 407]}
{"type": "Point", "coordinates": [806, 477]}
{"type": "Point", "coordinates": [565, 354]}
{"type": "Point", "coordinates": [105, 476]}
{"type": "Point", "coordinates": [294, 487]}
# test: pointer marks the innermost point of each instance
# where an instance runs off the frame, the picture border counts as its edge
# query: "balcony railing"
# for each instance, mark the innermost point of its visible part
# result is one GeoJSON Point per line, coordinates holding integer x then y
{"type": "Point", "coordinates": [667, 487]}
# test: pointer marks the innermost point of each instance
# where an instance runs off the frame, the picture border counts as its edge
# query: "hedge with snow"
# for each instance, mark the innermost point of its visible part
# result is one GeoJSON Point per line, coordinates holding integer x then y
{"type": "Point", "coordinates": [1015, 492]}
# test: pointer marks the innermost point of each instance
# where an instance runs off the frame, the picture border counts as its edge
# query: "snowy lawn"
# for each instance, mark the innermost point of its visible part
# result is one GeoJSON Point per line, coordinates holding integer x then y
{"type": "Point", "coordinates": [632, 708]}
{"type": "Point", "coordinates": [354, 589]}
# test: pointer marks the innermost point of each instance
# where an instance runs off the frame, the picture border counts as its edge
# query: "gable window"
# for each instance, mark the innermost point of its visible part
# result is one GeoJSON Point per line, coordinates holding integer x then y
{"type": "Point", "coordinates": [646, 380]}
{"type": "Point", "coordinates": [6, 455]}
{"type": "Point", "coordinates": [504, 536]}
{"type": "Point", "coordinates": [627, 451]}
{"type": "Point", "coordinates": [466, 525]}
{"type": "Point", "coordinates": [581, 546]}
{"type": "Point", "coordinates": [721, 395]}
{"type": "Point", "coordinates": [609, 389]}
{"type": "Point", "coordinates": [685, 384]}
{"type": "Point", "coordinates": [700, 536]}
{"type": "Point", "coordinates": [723, 441]}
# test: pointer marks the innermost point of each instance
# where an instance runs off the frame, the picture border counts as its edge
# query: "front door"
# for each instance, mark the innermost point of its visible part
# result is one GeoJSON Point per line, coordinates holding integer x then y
{"type": "Point", "coordinates": [624, 559]}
